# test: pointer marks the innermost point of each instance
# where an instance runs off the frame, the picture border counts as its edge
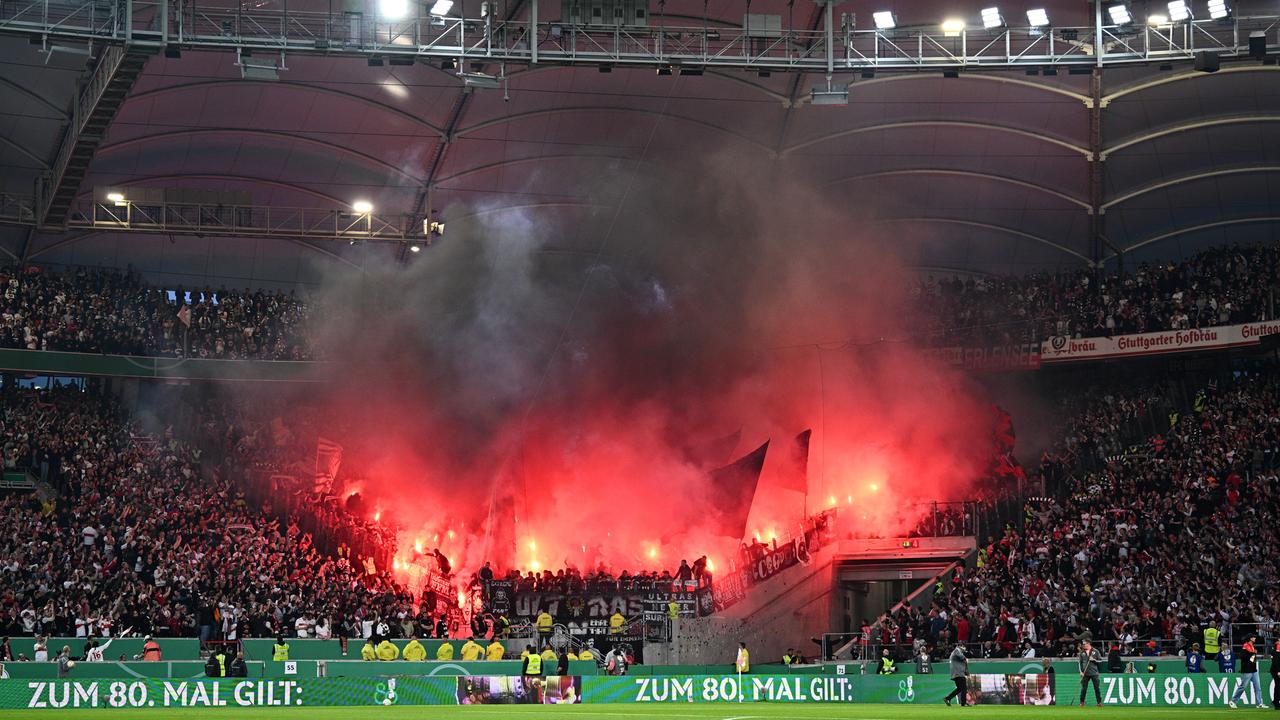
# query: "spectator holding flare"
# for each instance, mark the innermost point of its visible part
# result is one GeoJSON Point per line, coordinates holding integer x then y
{"type": "Point", "coordinates": [1088, 662]}
{"type": "Point", "coordinates": [1248, 674]}
{"type": "Point", "coordinates": [959, 676]}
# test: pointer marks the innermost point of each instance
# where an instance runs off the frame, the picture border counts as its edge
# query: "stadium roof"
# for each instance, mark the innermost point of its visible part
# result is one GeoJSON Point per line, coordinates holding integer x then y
{"type": "Point", "coordinates": [985, 171]}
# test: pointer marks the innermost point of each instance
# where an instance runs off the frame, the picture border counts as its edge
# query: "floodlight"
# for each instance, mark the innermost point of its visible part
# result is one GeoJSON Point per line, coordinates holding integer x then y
{"type": "Point", "coordinates": [1038, 17]}
{"type": "Point", "coordinates": [991, 18]}
{"type": "Point", "coordinates": [1120, 14]}
{"type": "Point", "coordinates": [1179, 10]}
{"type": "Point", "coordinates": [952, 27]}
{"type": "Point", "coordinates": [393, 9]}
{"type": "Point", "coordinates": [884, 20]}
{"type": "Point", "coordinates": [442, 8]}
{"type": "Point", "coordinates": [115, 197]}
{"type": "Point", "coordinates": [1157, 20]}
{"type": "Point", "coordinates": [828, 96]}
{"type": "Point", "coordinates": [1218, 9]}
{"type": "Point", "coordinates": [415, 248]}
{"type": "Point", "coordinates": [362, 206]}
{"type": "Point", "coordinates": [481, 80]}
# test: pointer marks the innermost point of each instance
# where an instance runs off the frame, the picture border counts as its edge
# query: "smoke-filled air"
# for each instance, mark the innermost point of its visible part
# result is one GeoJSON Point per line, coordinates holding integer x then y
{"type": "Point", "coordinates": [544, 393]}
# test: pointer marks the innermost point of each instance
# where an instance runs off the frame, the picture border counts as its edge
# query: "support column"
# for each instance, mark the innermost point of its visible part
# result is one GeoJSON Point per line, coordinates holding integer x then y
{"type": "Point", "coordinates": [1097, 228]}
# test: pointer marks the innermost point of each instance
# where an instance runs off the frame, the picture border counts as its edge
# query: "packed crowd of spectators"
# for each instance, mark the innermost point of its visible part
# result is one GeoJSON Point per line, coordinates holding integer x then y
{"type": "Point", "coordinates": [1171, 535]}
{"type": "Point", "coordinates": [141, 536]}
{"type": "Point", "coordinates": [107, 311]}
{"type": "Point", "coordinates": [1220, 286]}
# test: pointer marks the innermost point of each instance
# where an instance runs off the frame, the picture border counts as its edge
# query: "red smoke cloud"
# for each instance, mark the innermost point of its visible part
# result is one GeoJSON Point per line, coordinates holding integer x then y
{"type": "Point", "coordinates": [535, 393]}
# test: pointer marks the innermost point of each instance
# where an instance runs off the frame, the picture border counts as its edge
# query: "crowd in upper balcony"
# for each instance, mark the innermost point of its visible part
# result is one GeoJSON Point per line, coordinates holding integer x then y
{"type": "Point", "coordinates": [115, 312]}
{"type": "Point", "coordinates": [1219, 286]}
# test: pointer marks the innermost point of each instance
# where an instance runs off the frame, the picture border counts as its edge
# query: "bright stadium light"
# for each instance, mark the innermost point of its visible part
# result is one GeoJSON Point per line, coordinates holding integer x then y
{"type": "Point", "coordinates": [884, 20]}
{"type": "Point", "coordinates": [1179, 10]}
{"type": "Point", "coordinates": [442, 8]}
{"type": "Point", "coordinates": [1218, 9]}
{"type": "Point", "coordinates": [393, 9]}
{"type": "Point", "coordinates": [1038, 17]}
{"type": "Point", "coordinates": [362, 206]}
{"type": "Point", "coordinates": [115, 197]}
{"type": "Point", "coordinates": [952, 27]}
{"type": "Point", "coordinates": [1157, 20]}
{"type": "Point", "coordinates": [991, 18]}
{"type": "Point", "coordinates": [1120, 14]}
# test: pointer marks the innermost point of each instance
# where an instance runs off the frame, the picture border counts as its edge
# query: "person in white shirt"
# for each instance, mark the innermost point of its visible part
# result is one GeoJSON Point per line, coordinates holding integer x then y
{"type": "Point", "coordinates": [302, 626]}
{"type": "Point", "coordinates": [90, 534]}
{"type": "Point", "coordinates": [97, 652]}
{"type": "Point", "coordinates": [322, 629]}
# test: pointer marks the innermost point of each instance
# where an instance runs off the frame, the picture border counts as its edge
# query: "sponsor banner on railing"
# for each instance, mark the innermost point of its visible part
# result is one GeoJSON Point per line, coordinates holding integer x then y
{"type": "Point", "coordinates": [1021, 356]}
{"type": "Point", "coordinates": [1064, 349]}
{"type": "Point", "coordinates": [146, 693]}
{"type": "Point", "coordinates": [985, 689]}
{"type": "Point", "coordinates": [1203, 690]}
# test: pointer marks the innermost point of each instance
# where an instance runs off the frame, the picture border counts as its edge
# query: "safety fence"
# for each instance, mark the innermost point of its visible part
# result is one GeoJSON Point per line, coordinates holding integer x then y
{"type": "Point", "coordinates": [1029, 689]}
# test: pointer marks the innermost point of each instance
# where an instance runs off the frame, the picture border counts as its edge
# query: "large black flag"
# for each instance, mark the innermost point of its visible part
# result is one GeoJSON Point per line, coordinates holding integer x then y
{"type": "Point", "coordinates": [794, 473]}
{"type": "Point", "coordinates": [733, 487]}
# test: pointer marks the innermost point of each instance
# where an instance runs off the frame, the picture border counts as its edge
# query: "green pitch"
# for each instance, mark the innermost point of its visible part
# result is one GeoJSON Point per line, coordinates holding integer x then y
{"type": "Point", "coordinates": [725, 711]}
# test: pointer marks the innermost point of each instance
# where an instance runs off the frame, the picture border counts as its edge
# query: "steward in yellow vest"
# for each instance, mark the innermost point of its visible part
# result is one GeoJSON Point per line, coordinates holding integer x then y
{"type": "Point", "coordinates": [1211, 642]}
{"type": "Point", "coordinates": [444, 652]}
{"type": "Point", "coordinates": [495, 651]}
{"type": "Point", "coordinates": [471, 651]}
{"type": "Point", "coordinates": [413, 651]}
{"type": "Point", "coordinates": [532, 665]}
{"type": "Point", "coordinates": [388, 651]}
{"type": "Point", "coordinates": [280, 651]}
{"type": "Point", "coordinates": [367, 652]}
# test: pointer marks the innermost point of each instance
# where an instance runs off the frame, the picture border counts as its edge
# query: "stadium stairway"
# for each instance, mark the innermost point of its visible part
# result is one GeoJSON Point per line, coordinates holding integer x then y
{"type": "Point", "coordinates": [775, 615]}
{"type": "Point", "coordinates": [801, 602]}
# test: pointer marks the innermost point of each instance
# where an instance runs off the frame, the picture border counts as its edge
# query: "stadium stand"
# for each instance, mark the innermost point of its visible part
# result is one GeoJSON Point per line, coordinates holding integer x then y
{"type": "Point", "coordinates": [141, 537]}
{"type": "Point", "coordinates": [107, 311]}
{"type": "Point", "coordinates": [1145, 545]}
{"type": "Point", "coordinates": [1217, 286]}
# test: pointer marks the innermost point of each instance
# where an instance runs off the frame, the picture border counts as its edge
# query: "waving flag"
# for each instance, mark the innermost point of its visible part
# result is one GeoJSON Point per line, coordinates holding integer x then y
{"type": "Point", "coordinates": [328, 459]}
{"type": "Point", "coordinates": [733, 488]}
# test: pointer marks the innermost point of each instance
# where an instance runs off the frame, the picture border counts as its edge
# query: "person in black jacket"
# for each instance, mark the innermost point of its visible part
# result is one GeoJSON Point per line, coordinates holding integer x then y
{"type": "Point", "coordinates": [216, 665]}
{"type": "Point", "coordinates": [1275, 675]}
{"type": "Point", "coordinates": [562, 663]}
{"type": "Point", "coordinates": [1248, 674]}
{"type": "Point", "coordinates": [238, 668]}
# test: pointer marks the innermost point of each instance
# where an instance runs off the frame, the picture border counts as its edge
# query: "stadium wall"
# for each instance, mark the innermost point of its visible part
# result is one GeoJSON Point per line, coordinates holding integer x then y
{"type": "Point", "coordinates": [784, 612]}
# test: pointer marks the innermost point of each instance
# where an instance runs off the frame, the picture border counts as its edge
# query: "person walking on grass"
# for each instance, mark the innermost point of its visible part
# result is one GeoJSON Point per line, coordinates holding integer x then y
{"type": "Point", "coordinates": [1088, 661]}
{"type": "Point", "coordinates": [1248, 674]}
{"type": "Point", "coordinates": [959, 676]}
